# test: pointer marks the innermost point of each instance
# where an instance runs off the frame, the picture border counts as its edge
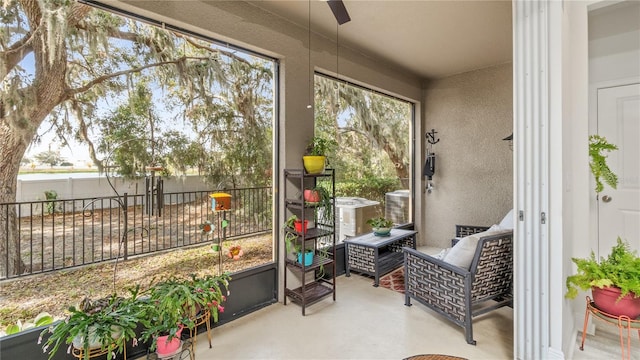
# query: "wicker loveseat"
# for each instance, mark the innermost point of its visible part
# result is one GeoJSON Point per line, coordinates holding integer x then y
{"type": "Point", "coordinates": [457, 293]}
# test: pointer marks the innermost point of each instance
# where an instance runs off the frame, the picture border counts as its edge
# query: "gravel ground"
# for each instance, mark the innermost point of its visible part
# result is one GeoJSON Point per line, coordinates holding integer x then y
{"type": "Point", "coordinates": [24, 298]}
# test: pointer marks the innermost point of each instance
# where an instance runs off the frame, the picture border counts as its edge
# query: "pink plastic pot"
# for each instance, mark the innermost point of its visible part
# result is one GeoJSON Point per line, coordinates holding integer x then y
{"type": "Point", "coordinates": [311, 196]}
{"type": "Point", "coordinates": [166, 346]}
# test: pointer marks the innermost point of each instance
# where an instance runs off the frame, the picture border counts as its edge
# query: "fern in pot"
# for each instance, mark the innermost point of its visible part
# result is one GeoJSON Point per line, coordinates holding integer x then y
{"type": "Point", "coordinates": [614, 280]}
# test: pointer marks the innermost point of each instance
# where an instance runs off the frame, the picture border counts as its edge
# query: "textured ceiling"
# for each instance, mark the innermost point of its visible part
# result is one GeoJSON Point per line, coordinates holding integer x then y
{"type": "Point", "coordinates": [432, 39]}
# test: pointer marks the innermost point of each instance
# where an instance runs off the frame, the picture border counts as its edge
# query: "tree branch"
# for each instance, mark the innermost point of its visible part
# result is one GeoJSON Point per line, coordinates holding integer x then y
{"type": "Point", "coordinates": [209, 49]}
{"type": "Point", "coordinates": [104, 78]}
{"type": "Point", "coordinates": [83, 132]}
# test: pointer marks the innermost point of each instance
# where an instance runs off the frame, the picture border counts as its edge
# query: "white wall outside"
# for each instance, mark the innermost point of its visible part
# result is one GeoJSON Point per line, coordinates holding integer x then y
{"type": "Point", "coordinates": [88, 188]}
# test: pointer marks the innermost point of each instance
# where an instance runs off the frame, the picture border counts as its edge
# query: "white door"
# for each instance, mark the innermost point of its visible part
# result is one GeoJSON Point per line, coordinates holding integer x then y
{"type": "Point", "coordinates": [619, 210]}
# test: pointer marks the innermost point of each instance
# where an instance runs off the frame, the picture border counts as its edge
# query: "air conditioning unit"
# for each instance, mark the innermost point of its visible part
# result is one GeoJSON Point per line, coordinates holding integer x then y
{"type": "Point", "coordinates": [353, 213]}
{"type": "Point", "coordinates": [396, 206]}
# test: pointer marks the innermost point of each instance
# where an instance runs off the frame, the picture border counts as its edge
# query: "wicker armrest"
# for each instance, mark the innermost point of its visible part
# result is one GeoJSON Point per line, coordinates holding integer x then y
{"type": "Point", "coordinates": [466, 230]}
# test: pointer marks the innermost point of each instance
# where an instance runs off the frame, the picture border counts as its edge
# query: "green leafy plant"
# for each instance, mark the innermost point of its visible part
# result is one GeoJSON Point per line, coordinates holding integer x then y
{"type": "Point", "coordinates": [598, 164]}
{"type": "Point", "coordinates": [380, 222]}
{"type": "Point", "coordinates": [174, 302]}
{"type": "Point", "coordinates": [319, 146]}
{"type": "Point", "coordinates": [106, 322]}
{"type": "Point", "coordinates": [42, 319]}
{"type": "Point", "coordinates": [620, 269]}
{"type": "Point", "coordinates": [50, 195]}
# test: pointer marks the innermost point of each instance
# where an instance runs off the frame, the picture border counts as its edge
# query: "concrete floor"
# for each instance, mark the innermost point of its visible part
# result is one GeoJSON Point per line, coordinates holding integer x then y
{"type": "Point", "coordinates": [372, 323]}
{"type": "Point", "coordinates": [363, 323]}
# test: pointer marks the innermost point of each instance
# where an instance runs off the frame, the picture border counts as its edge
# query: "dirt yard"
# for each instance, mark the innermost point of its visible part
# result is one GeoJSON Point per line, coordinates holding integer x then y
{"type": "Point", "coordinates": [24, 298]}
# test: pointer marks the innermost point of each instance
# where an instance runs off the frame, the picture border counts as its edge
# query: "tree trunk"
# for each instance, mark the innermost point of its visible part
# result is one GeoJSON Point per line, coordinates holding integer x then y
{"type": "Point", "coordinates": [12, 150]}
{"type": "Point", "coordinates": [48, 90]}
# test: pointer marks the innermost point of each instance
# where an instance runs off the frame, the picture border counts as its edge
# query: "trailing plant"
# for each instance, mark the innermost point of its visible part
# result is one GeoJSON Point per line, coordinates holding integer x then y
{"type": "Point", "coordinates": [324, 207]}
{"type": "Point", "coordinates": [290, 234]}
{"type": "Point", "coordinates": [598, 164]}
{"type": "Point", "coordinates": [621, 269]}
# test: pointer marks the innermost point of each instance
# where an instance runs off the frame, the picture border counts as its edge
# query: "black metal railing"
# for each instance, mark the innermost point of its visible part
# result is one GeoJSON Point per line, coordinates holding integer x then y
{"type": "Point", "coordinates": [60, 234]}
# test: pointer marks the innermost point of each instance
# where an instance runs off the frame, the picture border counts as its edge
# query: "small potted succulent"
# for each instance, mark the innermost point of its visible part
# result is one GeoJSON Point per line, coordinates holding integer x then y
{"type": "Point", "coordinates": [380, 225]}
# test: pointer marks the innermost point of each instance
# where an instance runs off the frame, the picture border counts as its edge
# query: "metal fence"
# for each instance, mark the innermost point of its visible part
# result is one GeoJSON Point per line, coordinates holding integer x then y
{"type": "Point", "coordinates": [60, 234]}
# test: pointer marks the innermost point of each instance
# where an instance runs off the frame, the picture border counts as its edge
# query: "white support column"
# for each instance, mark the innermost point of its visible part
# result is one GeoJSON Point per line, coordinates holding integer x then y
{"type": "Point", "coordinates": [537, 100]}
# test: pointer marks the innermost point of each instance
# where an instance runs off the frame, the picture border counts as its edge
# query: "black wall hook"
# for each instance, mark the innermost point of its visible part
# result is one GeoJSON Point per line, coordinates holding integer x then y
{"type": "Point", "coordinates": [431, 137]}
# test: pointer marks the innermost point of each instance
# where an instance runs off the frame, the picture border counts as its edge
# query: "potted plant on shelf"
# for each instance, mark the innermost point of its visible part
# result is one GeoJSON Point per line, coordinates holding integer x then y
{"type": "Point", "coordinates": [101, 326]}
{"type": "Point", "coordinates": [314, 159]}
{"type": "Point", "coordinates": [320, 198]}
{"type": "Point", "coordinates": [293, 227]}
{"type": "Point", "coordinates": [380, 225]}
{"type": "Point", "coordinates": [614, 281]}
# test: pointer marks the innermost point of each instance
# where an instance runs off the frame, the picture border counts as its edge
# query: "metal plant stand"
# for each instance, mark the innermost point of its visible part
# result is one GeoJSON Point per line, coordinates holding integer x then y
{"type": "Point", "coordinates": [623, 322]}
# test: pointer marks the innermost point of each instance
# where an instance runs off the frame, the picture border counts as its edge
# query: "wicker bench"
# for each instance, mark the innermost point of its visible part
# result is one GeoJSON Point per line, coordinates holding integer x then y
{"type": "Point", "coordinates": [460, 294]}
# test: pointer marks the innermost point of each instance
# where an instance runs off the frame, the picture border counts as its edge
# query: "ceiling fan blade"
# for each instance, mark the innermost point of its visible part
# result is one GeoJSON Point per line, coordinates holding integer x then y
{"type": "Point", "coordinates": [339, 11]}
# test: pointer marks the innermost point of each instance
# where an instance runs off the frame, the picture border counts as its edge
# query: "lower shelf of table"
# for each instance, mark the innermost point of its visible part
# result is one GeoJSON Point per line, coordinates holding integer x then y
{"type": "Point", "coordinates": [311, 293]}
{"type": "Point", "coordinates": [389, 261]}
{"type": "Point", "coordinates": [386, 262]}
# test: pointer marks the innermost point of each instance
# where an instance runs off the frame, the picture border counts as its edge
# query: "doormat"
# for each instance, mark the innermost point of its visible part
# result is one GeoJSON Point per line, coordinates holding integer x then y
{"type": "Point", "coordinates": [394, 280]}
{"type": "Point", "coordinates": [434, 357]}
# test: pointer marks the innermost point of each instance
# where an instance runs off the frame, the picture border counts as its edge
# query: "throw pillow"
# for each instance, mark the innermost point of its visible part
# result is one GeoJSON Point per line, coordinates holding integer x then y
{"type": "Point", "coordinates": [462, 253]}
{"type": "Point", "coordinates": [507, 221]}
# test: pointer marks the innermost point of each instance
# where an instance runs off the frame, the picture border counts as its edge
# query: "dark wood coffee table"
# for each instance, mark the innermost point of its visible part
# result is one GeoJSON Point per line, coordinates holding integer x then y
{"type": "Point", "coordinates": [377, 255]}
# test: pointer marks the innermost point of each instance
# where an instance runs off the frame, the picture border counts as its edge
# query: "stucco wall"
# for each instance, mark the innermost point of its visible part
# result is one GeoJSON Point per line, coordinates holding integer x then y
{"type": "Point", "coordinates": [473, 182]}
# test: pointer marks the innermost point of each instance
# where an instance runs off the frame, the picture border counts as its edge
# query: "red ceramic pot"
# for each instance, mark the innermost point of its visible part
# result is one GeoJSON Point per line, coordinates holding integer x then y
{"type": "Point", "coordinates": [606, 299]}
{"type": "Point", "coordinates": [299, 227]}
